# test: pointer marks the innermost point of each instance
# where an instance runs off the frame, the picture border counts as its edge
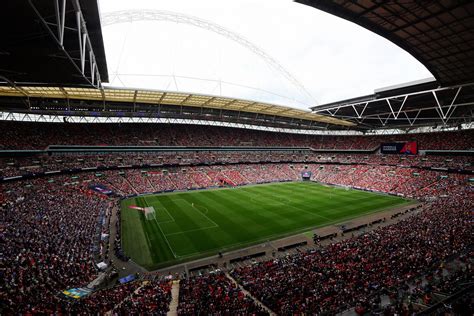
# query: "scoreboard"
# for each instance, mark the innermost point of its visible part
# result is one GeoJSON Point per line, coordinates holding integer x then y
{"type": "Point", "coordinates": [407, 148]}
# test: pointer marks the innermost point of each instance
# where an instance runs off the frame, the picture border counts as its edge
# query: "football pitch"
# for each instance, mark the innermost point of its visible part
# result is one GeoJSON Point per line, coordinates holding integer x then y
{"type": "Point", "coordinates": [194, 224]}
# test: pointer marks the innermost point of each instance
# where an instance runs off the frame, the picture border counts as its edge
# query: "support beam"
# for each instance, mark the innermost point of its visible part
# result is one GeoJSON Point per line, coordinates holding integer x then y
{"type": "Point", "coordinates": [323, 108]}
{"type": "Point", "coordinates": [57, 30]}
{"type": "Point", "coordinates": [408, 108]}
{"type": "Point", "coordinates": [186, 99]}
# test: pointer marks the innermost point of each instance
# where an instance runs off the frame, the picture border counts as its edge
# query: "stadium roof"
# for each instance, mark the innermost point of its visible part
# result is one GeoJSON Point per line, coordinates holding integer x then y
{"type": "Point", "coordinates": [48, 42]}
{"type": "Point", "coordinates": [421, 103]}
{"type": "Point", "coordinates": [107, 101]}
{"type": "Point", "coordinates": [440, 34]}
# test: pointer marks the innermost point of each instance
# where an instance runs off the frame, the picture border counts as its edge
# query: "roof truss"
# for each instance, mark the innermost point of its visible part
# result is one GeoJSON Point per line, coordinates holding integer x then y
{"type": "Point", "coordinates": [130, 99]}
{"type": "Point", "coordinates": [63, 20]}
{"type": "Point", "coordinates": [447, 105]}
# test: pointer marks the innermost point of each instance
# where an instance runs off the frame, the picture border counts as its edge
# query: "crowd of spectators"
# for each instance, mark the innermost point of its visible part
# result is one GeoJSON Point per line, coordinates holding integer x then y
{"type": "Point", "coordinates": [434, 287]}
{"type": "Point", "coordinates": [404, 181]}
{"type": "Point", "coordinates": [100, 302]}
{"type": "Point", "coordinates": [43, 163]}
{"type": "Point", "coordinates": [136, 298]}
{"type": "Point", "coordinates": [215, 294]}
{"type": "Point", "coordinates": [51, 235]}
{"type": "Point", "coordinates": [151, 298]}
{"type": "Point", "coordinates": [27, 135]}
{"type": "Point", "coordinates": [53, 231]}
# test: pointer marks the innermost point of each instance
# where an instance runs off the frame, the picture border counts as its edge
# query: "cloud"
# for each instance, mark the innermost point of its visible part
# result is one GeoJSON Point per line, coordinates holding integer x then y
{"type": "Point", "coordinates": [334, 59]}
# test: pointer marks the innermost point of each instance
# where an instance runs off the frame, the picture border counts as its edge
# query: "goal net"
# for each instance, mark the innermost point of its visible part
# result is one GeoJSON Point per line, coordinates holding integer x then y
{"type": "Point", "coordinates": [149, 213]}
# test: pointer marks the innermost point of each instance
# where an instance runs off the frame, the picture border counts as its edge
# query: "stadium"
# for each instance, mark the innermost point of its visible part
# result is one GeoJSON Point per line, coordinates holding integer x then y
{"type": "Point", "coordinates": [147, 201]}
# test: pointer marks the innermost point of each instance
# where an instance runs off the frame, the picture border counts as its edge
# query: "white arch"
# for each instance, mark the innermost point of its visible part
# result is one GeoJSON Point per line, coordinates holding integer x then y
{"type": "Point", "coordinates": [118, 17]}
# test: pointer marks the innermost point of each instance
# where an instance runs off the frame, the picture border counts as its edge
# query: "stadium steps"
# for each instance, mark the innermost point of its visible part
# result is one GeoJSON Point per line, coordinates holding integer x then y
{"type": "Point", "coordinates": [210, 179]}
{"type": "Point", "coordinates": [272, 313]}
{"type": "Point", "coordinates": [438, 296]}
{"type": "Point", "coordinates": [429, 185]}
{"type": "Point", "coordinates": [174, 299]}
{"type": "Point", "coordinates": [195, 184]}
{"type": "Point", "coordinates": [111, 312]}
{"type": "Point", "coordinates": [113, 187]}
{"type": "Point", "coordinates": [130, 184]}
{"type": "Point", "coordinates": [243, 177]}
{"type": "Point", "coordinates": [419, 306]}
{"type": "Point", "coordinates": [150, 183]}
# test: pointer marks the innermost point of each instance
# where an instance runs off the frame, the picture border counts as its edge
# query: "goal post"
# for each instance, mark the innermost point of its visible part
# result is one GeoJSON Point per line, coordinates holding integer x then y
{"type": "Point", "coordinates": [149, 213]}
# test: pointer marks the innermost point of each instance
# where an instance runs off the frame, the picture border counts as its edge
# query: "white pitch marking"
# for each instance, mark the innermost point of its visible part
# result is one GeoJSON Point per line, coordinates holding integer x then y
{"type": "Point", "coordinates": [194, 207]}
{"type": "Point", "coordinates": [191, 230]}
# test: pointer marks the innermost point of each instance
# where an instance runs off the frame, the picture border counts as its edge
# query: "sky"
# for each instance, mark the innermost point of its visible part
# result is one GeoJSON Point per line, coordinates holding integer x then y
{"type": "Point", "coordinates": [330, 59]}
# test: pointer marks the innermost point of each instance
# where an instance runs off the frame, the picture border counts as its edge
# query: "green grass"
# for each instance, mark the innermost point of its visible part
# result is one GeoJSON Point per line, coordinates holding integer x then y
{"type": "Point", "coordinates": [194, 224]}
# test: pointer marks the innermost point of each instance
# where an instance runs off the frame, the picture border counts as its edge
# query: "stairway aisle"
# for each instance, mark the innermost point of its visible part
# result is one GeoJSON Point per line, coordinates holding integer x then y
{"type": "Point", "coordinates": [174, 299]}
{"type": "Point", "coordinates": [272, 313]}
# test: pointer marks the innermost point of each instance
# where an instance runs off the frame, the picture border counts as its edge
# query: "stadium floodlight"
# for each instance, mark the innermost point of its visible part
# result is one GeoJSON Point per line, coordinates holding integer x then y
{"type": "Point", "coordinates": [128, 16]}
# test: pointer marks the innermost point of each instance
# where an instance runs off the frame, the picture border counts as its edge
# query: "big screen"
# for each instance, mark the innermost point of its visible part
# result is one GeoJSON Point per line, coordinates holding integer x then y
{"type": "Point", "coordinates": [407, 148]}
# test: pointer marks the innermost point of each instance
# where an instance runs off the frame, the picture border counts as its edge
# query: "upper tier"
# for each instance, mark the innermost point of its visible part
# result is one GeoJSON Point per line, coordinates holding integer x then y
{"type": "Point", "coordinates": [21, 135]}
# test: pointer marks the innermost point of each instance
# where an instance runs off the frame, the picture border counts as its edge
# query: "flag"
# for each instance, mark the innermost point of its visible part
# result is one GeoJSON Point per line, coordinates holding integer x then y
{"type": "Point", "coordinates": [136, 207]}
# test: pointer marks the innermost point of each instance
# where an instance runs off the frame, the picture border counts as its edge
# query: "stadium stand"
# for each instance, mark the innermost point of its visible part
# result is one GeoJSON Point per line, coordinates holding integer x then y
{"type": "Point", "coordinates": [214, 294]}
{"type": "Point", "coordinates": [11, 167]}
{"type": "Point", "coordinates": [53, 232]}
{"type": "Point", "coordinates": [25, 135]}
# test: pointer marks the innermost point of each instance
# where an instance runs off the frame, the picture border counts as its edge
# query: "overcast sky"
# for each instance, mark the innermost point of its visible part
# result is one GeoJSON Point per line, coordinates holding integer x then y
{"type": "Point", "coordinates": [332, 58]}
